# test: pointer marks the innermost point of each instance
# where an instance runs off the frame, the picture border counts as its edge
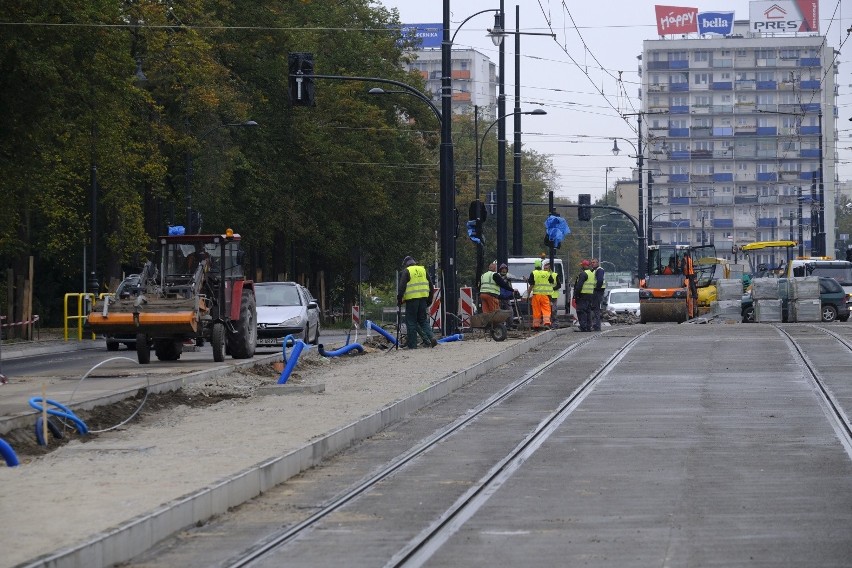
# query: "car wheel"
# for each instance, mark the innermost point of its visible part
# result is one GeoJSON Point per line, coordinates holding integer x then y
{"type": "Point", "coordinates": [829, 313]}
{"type": "Point", "coordinates": [748, 315]}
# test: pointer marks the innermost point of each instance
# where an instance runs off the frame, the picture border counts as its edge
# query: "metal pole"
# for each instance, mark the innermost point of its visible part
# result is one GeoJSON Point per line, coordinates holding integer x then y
{"type": "Point", "coordinates": [502, 197]}
{"type": "Point", "coordinates": [801, 233]}
{"type": "Point", "coordinates": [480, 261]}
{"type": "Point", "coordinates": [643, 239]}
{"type": "Point", "coordinates": [447, 200]}
{"type": "Point", "coordinates": [93, 274]}
{"type": "Point", "coordinates": [821, 235]}
{"type": "Point", "coordinates": [600, 240]}
{"type": "Point", "coordinates": [517, 187]}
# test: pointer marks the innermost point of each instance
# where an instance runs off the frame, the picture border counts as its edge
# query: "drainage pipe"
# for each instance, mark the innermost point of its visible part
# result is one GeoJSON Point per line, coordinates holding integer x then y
{"type": "Point", "coordinates": [8, 454]}
{"type": "Point", "coordinates": [298, 346]}
{"type": "Point", "coordinates": [38, 402]}
{"type": "Point", "coordinates": [342, 351]}
{"type": "Point", "coordinates": [371, 325]}
{"type": "Point", "coordinates": [454, 337]}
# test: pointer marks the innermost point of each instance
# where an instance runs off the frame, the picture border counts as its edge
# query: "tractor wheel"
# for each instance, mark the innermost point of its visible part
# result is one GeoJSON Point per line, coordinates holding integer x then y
{"type": "Point", "coordinates": [217, 341]}
{"type": "Point", "coordinates": [242, 343]}
{"type": "Point", "coordinates": [143, 350]}
{"type": "Point", "coordinates": [168, 349]}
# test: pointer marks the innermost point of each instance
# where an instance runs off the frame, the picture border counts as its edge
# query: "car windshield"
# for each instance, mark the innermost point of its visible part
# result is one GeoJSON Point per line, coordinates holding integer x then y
{"type": "Point", "coordinates": [625, 297]}
{"type": "Point", "coordinates": [277, 295]}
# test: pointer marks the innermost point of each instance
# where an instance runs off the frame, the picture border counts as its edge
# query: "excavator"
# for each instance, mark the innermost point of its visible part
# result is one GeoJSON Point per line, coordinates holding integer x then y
{"type": "Point", "coordinates": [665, 294]}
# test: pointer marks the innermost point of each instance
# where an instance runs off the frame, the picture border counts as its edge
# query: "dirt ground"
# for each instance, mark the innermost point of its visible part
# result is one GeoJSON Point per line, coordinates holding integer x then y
{"type": "Point", "coordinates": [186, 440]}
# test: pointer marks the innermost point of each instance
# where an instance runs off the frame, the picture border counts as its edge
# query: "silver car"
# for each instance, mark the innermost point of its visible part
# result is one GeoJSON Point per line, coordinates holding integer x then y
{"type": "Point", "coordinates": [285, 308]}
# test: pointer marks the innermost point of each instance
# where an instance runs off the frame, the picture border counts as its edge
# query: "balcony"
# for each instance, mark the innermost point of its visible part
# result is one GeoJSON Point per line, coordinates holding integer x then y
{"type": "Point", "coordinates": [809, 130]}
{"type": "Point", "coordinates": [723, 131]}
{"type": "Point", "coordinates": [657, 88]}
{"type": "Point", "coordinates": [746, 85]}
{"type": "Point", "coordinates": [745, 129]}
{"type": "Point", "coordinates": [461, 74]}
{"type": "Point", "coordinates": [679, 155]}
{"type": "Point", "coordinates": [678, 87]}
{"type": "Point", "coordinates": [679, 64]}
{"type": "Point", "coordinates": [745, 199]}
{"type": "Point", "coordinates": [461, 97]}
{"type": "Point", "coordinates": [679, 132]}
{"type": "Point", "coordinates": [701, 154]}
{"type": "Point", "coordinates": [767, 176]}
{"type": "Point", "coordinates": [673, 178]}
{"type": "Point", "coordinates": [767, 222]}
{"type": "Point", "coordinates": [767, 130]}
{"type": "Point", "coordinates": [722, 86]}
{"type": "Point", "coordinates": [771, 154]}
{"type": "Point", "coordinates": [701, 132]}
{"type": "Point", "coordinates": [698, 178]}
{"type": "Point", "coordinates": [809, 153]}
{"type": "Point", "coordinates": [679, 110]}
{"type": "Point", "coordinates": [789, 175]}
{"type": "Point", "coordinates": [810, 85]}
{"type": "Point", "coordinates": [703, 109]}
{"type": "Point", "coordinates": [657, 65]}
{"type": "Point", "coordinates": [809, 62]}
{"type": "Point", "coordinates": [722, 109]}
{"type": "Point", "coordinates": [767, 86]}
{"type": "Point", "coordinates": [723, 176]}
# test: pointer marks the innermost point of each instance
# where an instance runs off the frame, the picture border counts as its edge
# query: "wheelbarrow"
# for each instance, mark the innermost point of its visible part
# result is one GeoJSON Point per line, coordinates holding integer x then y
{"type": "Point", "coordinates": [493, 323]}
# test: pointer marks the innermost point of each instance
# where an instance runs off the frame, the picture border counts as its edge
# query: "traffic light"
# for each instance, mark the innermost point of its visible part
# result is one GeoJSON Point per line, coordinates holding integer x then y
{"type": "Point", "coordinates": [585, 213]}
{"type": "Point", "coordinates": [300, 84]}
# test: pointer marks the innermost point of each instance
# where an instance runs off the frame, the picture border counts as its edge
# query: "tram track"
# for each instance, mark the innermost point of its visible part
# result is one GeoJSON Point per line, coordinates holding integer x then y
{"type": "Point", "coordinates": [830, 402]}
{"type": "Point", "coordinates": [419, 549]}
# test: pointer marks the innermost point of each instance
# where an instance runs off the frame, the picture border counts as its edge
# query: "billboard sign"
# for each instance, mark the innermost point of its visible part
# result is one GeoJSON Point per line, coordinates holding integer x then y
{"type": "Point", "coordinates": [430, 35]}
{"type": "Point", "coordinates": [676, 20]}
{"type": "Point", "coordinates": [784, 16]}
{"type": "Point", "coordinates": [721, 23]}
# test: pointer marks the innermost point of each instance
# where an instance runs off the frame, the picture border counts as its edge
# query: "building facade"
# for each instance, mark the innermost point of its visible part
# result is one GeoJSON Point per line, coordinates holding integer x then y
{"type": "Point", "coordinates": [737, 131]}
{"type": "Point", "coordinates": [474, 80]}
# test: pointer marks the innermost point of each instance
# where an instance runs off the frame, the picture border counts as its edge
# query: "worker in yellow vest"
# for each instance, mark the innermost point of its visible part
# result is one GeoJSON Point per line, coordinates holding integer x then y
{"type": "Point", "coordinates": [539, 287]}
{"type": "Point", "coordinates": [554, 293]}
{"type": "Point", "coordinates": [414, 289]}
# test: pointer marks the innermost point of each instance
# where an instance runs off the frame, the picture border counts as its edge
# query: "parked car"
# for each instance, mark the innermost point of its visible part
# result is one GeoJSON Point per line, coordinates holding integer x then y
{"type": "Point", "coordinates": [832, 299]}
{"type": "Point", "coordinates": [285, 308]}
{"type": "Point", "coordinates": [130, 286]}
{"type": "Point", "coordinates": [622, 301]}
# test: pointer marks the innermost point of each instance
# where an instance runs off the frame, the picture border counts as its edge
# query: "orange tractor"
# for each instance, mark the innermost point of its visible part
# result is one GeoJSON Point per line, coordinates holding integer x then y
{"type": "Point", "coordinates": [665, 294]}
{"type": "Point", "coordinates": [196, 291]}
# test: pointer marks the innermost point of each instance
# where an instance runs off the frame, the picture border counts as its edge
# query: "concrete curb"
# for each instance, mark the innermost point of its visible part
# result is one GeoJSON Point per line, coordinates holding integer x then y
{"type": "Point", "coordinates": [31, 348]}
{"type": "Point", "coordinates": [125, 541]}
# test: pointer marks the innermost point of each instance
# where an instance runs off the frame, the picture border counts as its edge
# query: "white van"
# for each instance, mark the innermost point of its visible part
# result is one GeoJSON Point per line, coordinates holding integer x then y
{"type": "Point", "coordinates": [520, 269]}
{"type": "Point", "coordinates": [840, 270]}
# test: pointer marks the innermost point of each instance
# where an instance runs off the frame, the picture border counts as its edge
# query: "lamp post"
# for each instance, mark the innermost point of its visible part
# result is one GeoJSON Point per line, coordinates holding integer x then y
{"type": "Point", "coordinates": [654, 218]}
{"type": "Point", "coordinates": [606, 184]}
{"type": "Point", "coordinates": [593, 232]}
{"type": "Point", "coordinates": [643, 239]}
{"type": "Point", "coordinates": [497, 33]}
{"type": "Point", "coordinates": [677, 230]}
{"type": "Point", "coordinates": [190, 172]}
{"type": "Point", "coordinates": [600, 239]}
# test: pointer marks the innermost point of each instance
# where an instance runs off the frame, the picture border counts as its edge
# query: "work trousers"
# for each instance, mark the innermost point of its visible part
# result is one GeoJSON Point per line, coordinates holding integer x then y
{"type": "Point", "coordinates": [490, 303]}
{"type": "Point", "coordinates": [584, 311]}
{"type": "Point", "coordinates": [417, 321]}
{"type": "Point", "coordinates": [540, 310]}
{"type": "Point", "coordinates": [597, 299]}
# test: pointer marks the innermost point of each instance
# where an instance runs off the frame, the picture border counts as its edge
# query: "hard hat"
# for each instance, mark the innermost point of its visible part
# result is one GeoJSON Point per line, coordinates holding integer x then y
{"type": "Point", "coordinates": [408, 261]}
{"type": "Point", "coordinates": [537, 263]}
{"type": "Point", "coordinates": [585, 263]}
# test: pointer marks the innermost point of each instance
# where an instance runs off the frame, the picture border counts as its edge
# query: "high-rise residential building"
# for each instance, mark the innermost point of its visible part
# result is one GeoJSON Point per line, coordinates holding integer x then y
{"type": "Point", "coordinates": [736, 131]}
{"type": "Point", "coordinates": [474, 79]}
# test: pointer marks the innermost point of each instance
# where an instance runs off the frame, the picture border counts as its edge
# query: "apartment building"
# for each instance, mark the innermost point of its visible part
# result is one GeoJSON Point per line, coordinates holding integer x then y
{"type": "Point", "coordinates": [474, 80]}
{"type": "Point", "coordinates": [736, 129]}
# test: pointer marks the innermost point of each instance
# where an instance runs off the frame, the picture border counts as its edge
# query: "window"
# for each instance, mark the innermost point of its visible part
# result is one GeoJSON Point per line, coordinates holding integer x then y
{"type": "Point", "coordinates": [704, 145]}
{"type": "Point", "coordinates": [765, 168]}
{"type": "Point", "coordinates": [765, 75]}
{"type": "Point", "coordinates": [679, 78]}
{"type": "Point", "coordinates": [741, 52]}
{"type": "Point", "coordinates": [679, 146]}
{"type": "Point", "coordinates": [701, 122]}
{"type": "Point", "coordinates": [766, 121]}
{"type": "Point", "coordinates": [702, 100]}
{"type": "Point", "coordinates": [766, 98]}
{"type": "Point", "coordinates": [678, 169]}
{"type": "Point", "coordinates": [680, 100]}
{"type": "Point", "coordinates": [701, 55]}
{"type": "Point", "coordinates": [764, 53]}
{"type": "Point", "coordinates": [678, 56]}
{"type": "Point", "coordinates": [702, 78]}
{"type": "Point", "coordinates": [678, 123]}
{"type": "Point", "coordinates": [702, 169]}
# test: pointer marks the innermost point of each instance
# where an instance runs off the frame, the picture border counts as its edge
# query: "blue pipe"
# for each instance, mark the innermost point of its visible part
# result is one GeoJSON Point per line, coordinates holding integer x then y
{"type": "Point", "coordinates": [388, 336]}
{"type": "Point", "coordinates": [63, 412]}
{"type": "Point", "coordinates": [454, 337]}
{"type": "Point", "coordinates": [342, 351]}
{"type": "Point", "coordinates": [8, 454]}
{"type": "Point", "coordinates": [298, 346]}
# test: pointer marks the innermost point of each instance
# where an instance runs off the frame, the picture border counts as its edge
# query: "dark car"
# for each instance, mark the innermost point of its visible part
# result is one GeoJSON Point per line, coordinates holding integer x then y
{"type": "Point", "coordinates": [832, 299]}
{"type": "Point", "coordinates": [130, 286]}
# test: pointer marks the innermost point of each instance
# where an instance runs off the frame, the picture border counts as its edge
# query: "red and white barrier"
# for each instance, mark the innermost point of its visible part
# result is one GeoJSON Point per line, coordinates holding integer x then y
{"type": "Point", "coordinates": [356, 315]}
{"type": "Point", "coordinates": [435, 309]}
{"type": "Point", "coordinates": [465, 305]}
{"type": "Point", "coordinates": [17, 323]}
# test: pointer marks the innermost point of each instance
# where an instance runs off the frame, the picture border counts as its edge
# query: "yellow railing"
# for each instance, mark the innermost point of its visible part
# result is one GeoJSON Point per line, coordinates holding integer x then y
{"type": "Point", "coordinates": [83, 302]}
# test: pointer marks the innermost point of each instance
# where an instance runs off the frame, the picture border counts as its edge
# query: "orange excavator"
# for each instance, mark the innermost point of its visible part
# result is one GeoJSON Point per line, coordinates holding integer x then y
{"type": "Point", "coordinates": [665, 294]}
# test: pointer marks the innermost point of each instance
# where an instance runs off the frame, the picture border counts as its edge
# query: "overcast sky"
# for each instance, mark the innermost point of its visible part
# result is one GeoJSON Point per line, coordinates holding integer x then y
{"type": "Point", "coordinates": [588, 76]}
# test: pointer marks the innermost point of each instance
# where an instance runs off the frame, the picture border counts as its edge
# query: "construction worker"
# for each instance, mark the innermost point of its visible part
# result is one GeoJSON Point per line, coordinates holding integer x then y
{"type": "Point", "coordinates": [539, 286]}
{"type": "Point", "coordinates": [584, 287]}
{"type": "Point", "coordinates": [554, 293]}
{"type": "Point", "coordinates": [689, 273]}
{"type": "Point", "coordinates": [413, 289]}
{"type": "Point", "coordinates": [491, 286]}
{"type": "Point", "coordinates": [598, 293]}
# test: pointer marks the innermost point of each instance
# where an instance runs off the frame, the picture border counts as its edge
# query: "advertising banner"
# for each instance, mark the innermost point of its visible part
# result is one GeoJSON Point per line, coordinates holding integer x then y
{"type": "Point", "coordinates": [784, 16]}
{"type": "Point", "coordinates": [721, 23]}
{"type": "Point", "coordinates": [676, 20]}
{"type": "Point", "coordinates": [430, 35]}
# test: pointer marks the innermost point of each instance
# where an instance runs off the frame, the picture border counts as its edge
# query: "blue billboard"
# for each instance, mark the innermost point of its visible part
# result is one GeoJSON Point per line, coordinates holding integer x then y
{"type": "Point", "coordinates": [721, 23]}
{"type": "Point", "coordinates": [430, 35]}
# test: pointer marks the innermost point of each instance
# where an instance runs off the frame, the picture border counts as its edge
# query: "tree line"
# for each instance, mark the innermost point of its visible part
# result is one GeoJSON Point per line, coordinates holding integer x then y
{"type": "Point", "coordinates": [122, 118]}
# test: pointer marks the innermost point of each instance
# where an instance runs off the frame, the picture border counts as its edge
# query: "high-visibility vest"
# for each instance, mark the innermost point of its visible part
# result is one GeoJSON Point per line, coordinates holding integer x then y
{"type": "Point", "coordinates": [487, 284]}
{"type": "Point", "coordinates": [554, 294]}
{"type": "Point", "coordinates": [417, 285]}
{"type": "Point", "coordinates": [542, 282]}
{"type": "Point", "coordinates": [688, 269]}
{"type": "Point", "coordinates": [589, 284]}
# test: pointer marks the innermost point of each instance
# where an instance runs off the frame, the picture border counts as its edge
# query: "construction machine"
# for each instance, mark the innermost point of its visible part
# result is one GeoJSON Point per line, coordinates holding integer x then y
{"type": "Point", "coordinates": [665, 294]}
{"type": "Point", "coordinates": [195, 290]}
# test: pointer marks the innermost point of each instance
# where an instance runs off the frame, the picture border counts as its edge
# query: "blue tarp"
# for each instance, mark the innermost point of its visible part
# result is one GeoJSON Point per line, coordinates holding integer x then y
{"type": "Point", "coordinates": [471, 231]}
{"type": "Point", "coordinates": [557, 229]}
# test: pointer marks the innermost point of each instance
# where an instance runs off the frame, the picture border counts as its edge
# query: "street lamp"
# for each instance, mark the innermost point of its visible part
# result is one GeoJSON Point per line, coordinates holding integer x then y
{"type": "Point", "coordinates": [677, 230]}
{"type": "Point", "coordinates": [593, 230]}
{"type": "Point", "coordinates": [497, 33]}
{"type": "Point", "coordinates": [600, 240]}
{"type": "Point", "coordinates": [606, 185]}
{"type": "Point", "coordinates": [643, 239]}
{"type": "Point", "coordinates": [189, 170]}
{"type": "Point", "coordinates": [654, 218]}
